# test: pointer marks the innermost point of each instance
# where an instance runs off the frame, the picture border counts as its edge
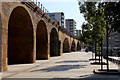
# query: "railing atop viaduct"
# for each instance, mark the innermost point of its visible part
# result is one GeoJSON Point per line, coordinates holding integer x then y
{"type": "Point", "coordinates": [37, 7]}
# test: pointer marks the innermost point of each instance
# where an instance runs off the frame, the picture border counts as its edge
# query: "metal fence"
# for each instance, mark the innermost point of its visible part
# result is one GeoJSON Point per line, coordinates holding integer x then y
{"type": "Point", "coordinates": [40, 5]}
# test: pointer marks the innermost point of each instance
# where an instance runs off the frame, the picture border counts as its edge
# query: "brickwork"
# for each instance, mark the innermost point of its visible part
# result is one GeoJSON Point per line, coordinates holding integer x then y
{"type": "Point", "coordinates": [41, 41]}
{"type": "Point", "coordinates": [66, 45]}
{"type": "Point", "coordinates": [28, 38]}
{"type": "Point", "coordinates": [0, 37]}
{"type": "Point", "coordinates": [54, 43]}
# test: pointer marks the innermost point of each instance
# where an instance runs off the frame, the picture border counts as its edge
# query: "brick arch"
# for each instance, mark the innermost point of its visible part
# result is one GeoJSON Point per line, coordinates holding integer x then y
{"type": "Point", "coordinates": [41, 41]}
{"type": "Point", "coordinates": [73, 46]}
{"type": "Point", "coordinates": [66, 45]}
{"type": "Point", "coordinates": [20, 37]}
{"type": "Point", "coordinates": [12, 8]}
{"type": "Point", "coordinates": [54, 47]}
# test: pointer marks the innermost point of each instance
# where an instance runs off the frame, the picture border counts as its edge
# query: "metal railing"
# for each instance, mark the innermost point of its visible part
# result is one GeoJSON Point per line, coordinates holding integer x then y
{"type": "Point", "coordinates": [40, 5]}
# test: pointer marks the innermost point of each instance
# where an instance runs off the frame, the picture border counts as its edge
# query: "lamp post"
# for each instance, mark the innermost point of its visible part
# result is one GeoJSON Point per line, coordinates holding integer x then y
{"type": "Point", "coordinates": [36, 2]}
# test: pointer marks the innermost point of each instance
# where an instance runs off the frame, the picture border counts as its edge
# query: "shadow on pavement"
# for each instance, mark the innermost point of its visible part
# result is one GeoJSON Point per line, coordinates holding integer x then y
{"type": "Point", "coordinates": [61, 68]}
{"type": "Point", "coordinates": [82, 77]}
{"type": "Point", "coordinates": [73, 61]}
{"type": "Point", "coordinates": [91, 77]}
{"type": "Point", "coordinates": [87, 78]}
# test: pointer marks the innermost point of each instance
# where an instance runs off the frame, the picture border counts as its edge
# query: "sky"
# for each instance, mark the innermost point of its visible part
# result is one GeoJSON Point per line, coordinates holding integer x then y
{"type": "Point", "coordinates": [70, 8]}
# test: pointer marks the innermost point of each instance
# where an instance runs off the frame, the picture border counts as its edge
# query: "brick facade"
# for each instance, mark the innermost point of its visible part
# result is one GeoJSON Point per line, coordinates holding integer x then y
{"type": "Point", "coordinates": [7, 10]}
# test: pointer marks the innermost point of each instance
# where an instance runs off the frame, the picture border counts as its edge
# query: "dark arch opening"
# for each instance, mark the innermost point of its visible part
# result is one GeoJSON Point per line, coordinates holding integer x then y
{"type": "Point", "coordinates": [78, 46]}
{"type": "Point", "coordinates": [54, 48]}
{"type": "Point", "coordinates": [41, 41]}
{"type": "Point", "coordinates": [73, 46]}
{"type": "Point", "coordinates": [66, 47]}
{"type": "Point", "coordinates": [20, 37]}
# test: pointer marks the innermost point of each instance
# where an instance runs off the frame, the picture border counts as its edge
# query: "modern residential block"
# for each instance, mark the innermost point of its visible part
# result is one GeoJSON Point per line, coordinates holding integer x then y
{"type": "Point", "coordinates": [78, 33]}
{"type": "Point", "coordinates": [71, 25]}
{"type": "Point", "coordinates": [58, 17]}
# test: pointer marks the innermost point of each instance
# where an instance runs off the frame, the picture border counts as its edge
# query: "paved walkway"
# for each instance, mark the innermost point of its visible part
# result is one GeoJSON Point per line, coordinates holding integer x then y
{"type": "Point", "coordinates": [70, 65]}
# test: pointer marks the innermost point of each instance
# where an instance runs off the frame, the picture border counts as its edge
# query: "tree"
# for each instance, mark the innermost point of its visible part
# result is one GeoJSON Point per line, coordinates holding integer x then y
{"type": "Point", "coordinates": [112, 15]}
{"type": "Point", "coordinates": [101, 15]}
{"type": "Point", "coordinates": [94, 28]}
{"type": "Point", "coordinates": [112, 18]}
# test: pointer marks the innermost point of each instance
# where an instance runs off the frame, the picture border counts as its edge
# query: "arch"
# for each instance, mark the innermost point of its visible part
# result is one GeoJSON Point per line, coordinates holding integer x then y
{"type": "Point", "coordinates": [78, 46]}
{"type": "Point", "coordinates": [73, 46]}
{"type": "Point", "coordinates": [41, 41]}
{"type": "Point", "coordinates": [20, 37]}
{"type": "Point", "coordinates": [54, 48]}
{"type": "Point", "coordinates": [66, 47]}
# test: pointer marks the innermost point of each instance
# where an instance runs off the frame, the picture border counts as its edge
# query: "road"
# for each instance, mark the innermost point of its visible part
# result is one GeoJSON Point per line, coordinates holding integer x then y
{"type": "Point", "coordinates": [70, 65]}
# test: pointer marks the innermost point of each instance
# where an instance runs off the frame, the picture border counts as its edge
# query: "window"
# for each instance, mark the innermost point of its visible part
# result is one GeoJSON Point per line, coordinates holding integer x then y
{"type": "Point", "coordinates": [71, 26]}
{"type": "Point", "coordinates": [62, 23]}
{"type": "Point", "coordinates": [62, 16]}
{"type": "Point", "coordinates": [62, 20]}
{"type": "Point", "coordinates": [68, 22]}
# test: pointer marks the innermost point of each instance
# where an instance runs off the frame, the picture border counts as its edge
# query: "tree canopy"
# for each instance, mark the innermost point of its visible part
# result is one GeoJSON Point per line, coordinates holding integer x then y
{"type": "Point", "coordinates": [112, 15]}
{"type": "Point", "coordinates": [94, 27]}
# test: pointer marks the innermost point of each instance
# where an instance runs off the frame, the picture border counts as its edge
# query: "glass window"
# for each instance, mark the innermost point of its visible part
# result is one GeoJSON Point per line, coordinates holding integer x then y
{"type": "Point", "coordinates": [71, 30]}
{"type": "Point", "coordinates": [62, 16]}
{"type": "Point", "coordinates": [68, 22]}
{"type": "Point", "coordinates": [62, 23]}
{"type": "Point", "coordinates": [62, 20]}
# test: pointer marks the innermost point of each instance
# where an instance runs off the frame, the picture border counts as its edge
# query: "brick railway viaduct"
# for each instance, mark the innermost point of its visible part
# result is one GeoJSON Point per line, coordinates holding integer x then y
{"type": "Point", "coordinates": [28, 34]}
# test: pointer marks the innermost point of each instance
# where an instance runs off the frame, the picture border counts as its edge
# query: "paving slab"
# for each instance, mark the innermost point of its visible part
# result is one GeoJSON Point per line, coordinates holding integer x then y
{"type": "Point", "coordinates": [70, 65]}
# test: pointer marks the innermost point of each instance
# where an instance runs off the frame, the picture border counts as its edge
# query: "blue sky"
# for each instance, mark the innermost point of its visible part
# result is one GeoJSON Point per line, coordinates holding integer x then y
{"type": "Point", "coordinates": [70, 9]}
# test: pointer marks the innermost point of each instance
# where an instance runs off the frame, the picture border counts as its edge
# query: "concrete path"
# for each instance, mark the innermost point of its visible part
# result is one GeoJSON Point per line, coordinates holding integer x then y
{"type": "Point", "coordinates": [70, 65]}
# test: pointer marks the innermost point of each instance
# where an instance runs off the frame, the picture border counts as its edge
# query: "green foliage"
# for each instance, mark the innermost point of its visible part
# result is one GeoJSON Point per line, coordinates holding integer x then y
{"type": "Point", "coordinates": [112, 15]}
{"type": "Point", "coordinates": [94, 28]}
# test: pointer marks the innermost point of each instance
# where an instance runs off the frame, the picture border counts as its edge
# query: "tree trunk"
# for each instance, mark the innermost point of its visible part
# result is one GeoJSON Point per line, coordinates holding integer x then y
{"type": "Point", "coordinates": [101, 54]}
{"type": "Point", "coordinates": [95, 51]}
